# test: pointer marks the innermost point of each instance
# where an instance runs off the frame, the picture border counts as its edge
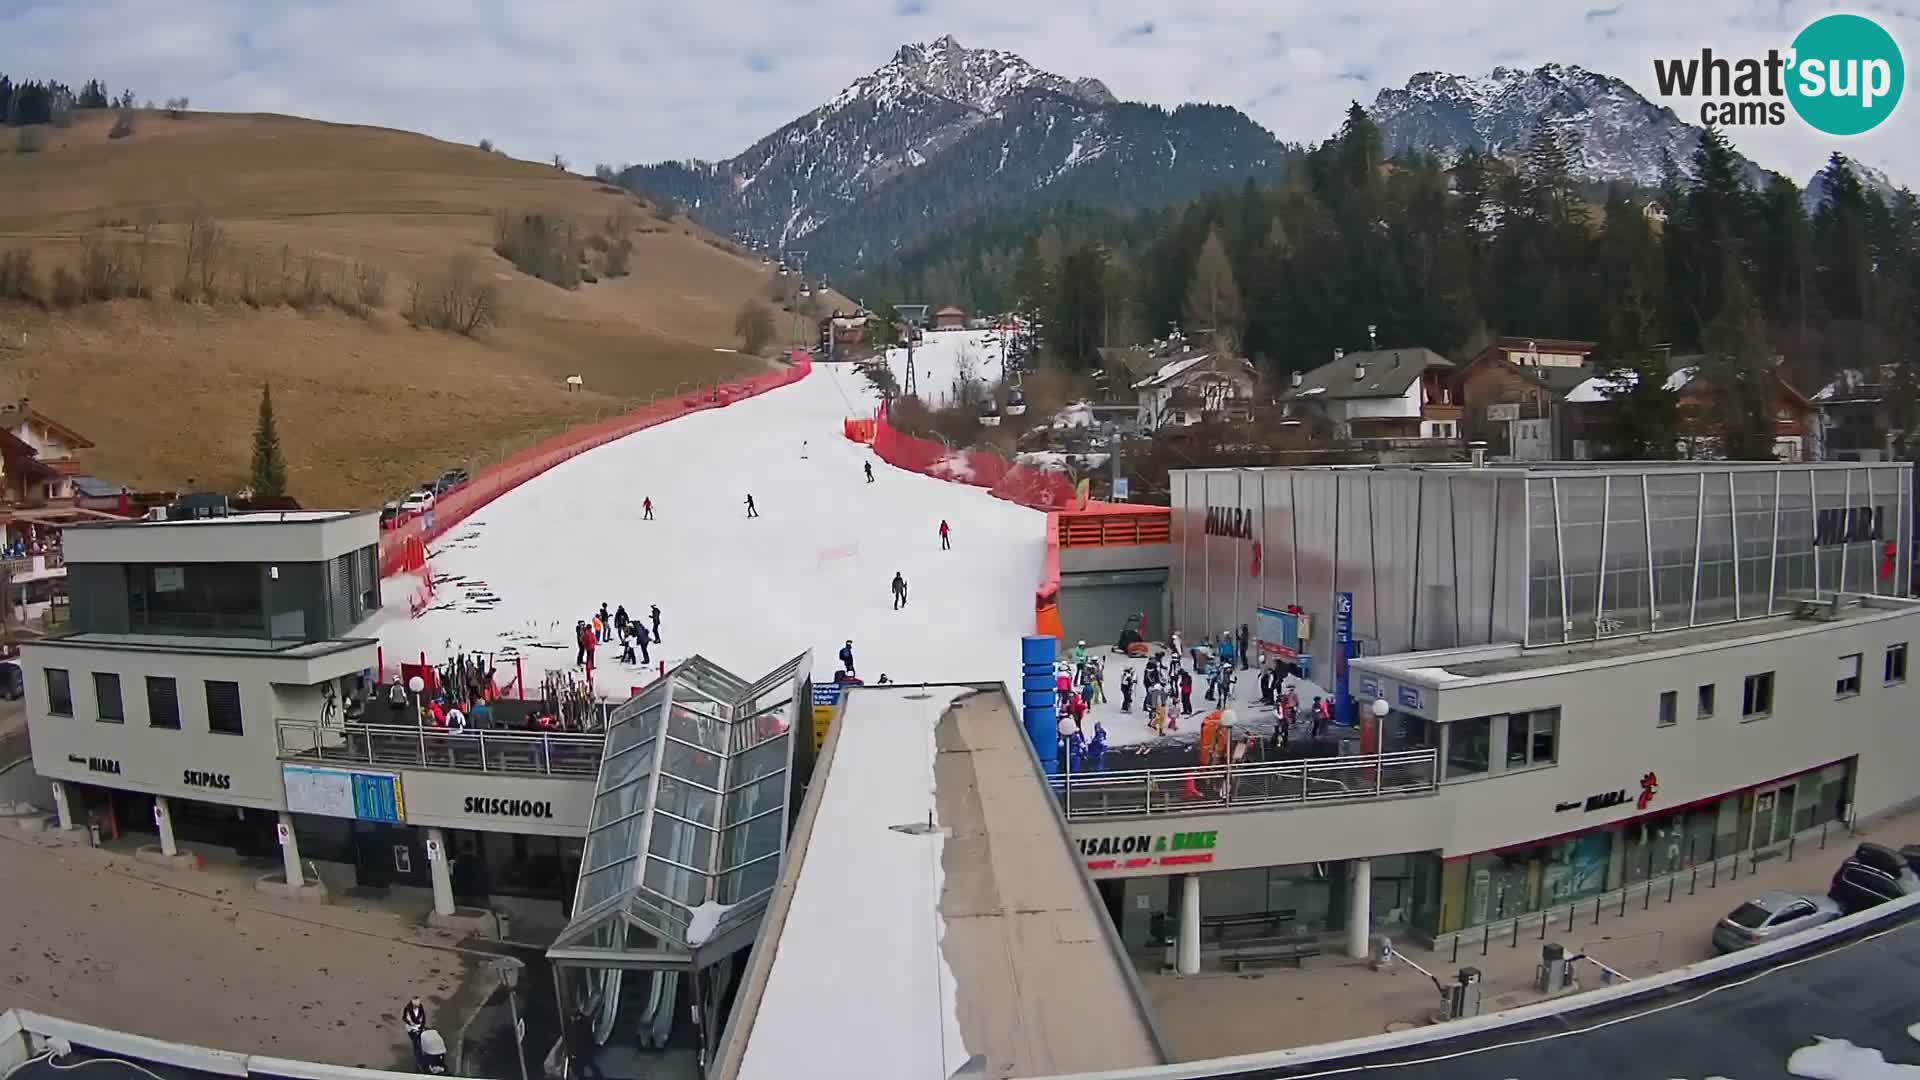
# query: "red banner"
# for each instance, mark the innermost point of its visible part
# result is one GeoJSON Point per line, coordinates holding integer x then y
{"type": "Point", "coordinates": [496, 480]}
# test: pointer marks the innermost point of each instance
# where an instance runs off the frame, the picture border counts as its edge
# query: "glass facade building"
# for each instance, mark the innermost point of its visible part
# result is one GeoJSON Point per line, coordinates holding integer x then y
{"type": "Point", "coordinates": [1443, 556]}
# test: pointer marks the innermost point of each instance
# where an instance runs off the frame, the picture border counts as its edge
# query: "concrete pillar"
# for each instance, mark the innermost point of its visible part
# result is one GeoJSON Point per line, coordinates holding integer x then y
{"type": "Point", "coordinates": [290, 852]}
{"type": "Point", "coordinates": [63, 805]}
{"type": "Point", "coordinates": [1359, 907]}
{"type": "Point", "coordinates": [440, 866]}
{"type": "Point", "coordinates": [163, 817]}
{"type": "Point", "coordinates": [1190, 925]}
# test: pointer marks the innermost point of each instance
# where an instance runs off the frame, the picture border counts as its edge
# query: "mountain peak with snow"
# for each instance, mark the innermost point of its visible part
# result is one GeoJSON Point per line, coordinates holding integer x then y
{"type": "Point", "coordinates": [1614, 132]}
{"type": "Point", "coordinates": [977, 78]}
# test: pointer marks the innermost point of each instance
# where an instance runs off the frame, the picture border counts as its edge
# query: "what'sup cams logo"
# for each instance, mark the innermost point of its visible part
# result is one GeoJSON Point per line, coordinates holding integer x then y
{"type": "Point", "coordinates": [1842, 75]}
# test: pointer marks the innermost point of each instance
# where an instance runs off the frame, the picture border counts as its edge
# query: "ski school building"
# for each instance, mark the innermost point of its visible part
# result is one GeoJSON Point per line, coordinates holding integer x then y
{"type": "Point", "coordinates": [198, 697]}
{"type": "Point", "coordinates": [1557, 681]}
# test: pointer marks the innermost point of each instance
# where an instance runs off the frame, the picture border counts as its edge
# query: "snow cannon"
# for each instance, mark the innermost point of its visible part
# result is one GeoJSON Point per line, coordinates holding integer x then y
{"type": "Point", "coordinates": [1016, 404]}
{"type": "Point", "coordinates": [1040, 713]}
{"type": "Point", "coordinates": [989, 414]}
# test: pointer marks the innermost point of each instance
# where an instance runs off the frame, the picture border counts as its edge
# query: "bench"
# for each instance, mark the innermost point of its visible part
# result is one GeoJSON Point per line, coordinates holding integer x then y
{"type": "Point", "coordinates": [1267, 923]}
{"type": "Point", "coordinates": [1260, 956]}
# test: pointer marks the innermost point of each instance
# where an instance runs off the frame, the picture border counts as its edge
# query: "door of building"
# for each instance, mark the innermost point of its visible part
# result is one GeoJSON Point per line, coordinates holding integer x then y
{"type": "Point", "coordinates": [1772, 815]}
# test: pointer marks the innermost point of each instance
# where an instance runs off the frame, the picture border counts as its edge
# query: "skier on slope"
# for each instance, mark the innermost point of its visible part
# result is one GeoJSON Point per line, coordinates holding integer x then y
{"type": "Point", "coordinates": [751, 512]}
{"type": "Point", "coordinates": [803, 449]}
{"type": "Point", "coordinates": [640, 638]}
{"type": "Point", "coordinates": [899, 591]}
{"type": "Point", "coordinates": [869, 468]}
{"type": "Point", "coordinates": [1126, 691]}
{"type": "Point", "coordinates": [946, 541]}
{"type": "Point", "coordinates": [846, 657]}
{"type": "Point", "coordinates": [655, 613]}
{"type": "Point", "coordinates": [646, 508]}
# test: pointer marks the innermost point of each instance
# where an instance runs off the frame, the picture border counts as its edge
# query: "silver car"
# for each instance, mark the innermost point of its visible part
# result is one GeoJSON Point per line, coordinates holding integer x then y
{"type": "Point", "coordinates": [1770, 917]}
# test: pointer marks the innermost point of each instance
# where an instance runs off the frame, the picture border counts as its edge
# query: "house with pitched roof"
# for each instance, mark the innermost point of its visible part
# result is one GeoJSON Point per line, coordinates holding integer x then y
{"type": "Point", "coordinates": [1380, 394]}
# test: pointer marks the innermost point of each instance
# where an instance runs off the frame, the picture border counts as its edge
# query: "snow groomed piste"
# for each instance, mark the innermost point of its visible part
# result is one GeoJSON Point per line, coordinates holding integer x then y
{"type": "Point", "coordinates": [811, 571]}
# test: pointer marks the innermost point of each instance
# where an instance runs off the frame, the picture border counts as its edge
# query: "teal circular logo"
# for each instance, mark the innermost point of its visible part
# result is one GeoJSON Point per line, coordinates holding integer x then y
{"type": "Point", "coordinates": [1847, 74]}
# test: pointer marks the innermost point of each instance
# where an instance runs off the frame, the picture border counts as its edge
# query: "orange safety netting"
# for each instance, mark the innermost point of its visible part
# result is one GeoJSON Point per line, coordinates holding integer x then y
{"type": "Point", "coordinates": [496, 480]}
{"type": "Point", "coordinates": [1041, 489]}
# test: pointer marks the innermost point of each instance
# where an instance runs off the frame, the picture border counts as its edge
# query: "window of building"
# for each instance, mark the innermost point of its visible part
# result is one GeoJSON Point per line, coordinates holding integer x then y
{"type": "Point", "coordinates": [1896, 663]}
{"type": "Point", "coordinates": [1758, 697]}
{"type": "Point", "coordinates": [221, 598]}
{"type": "Point", "coordinates": [1469, 746]}
{"type": "Point", "coordinates": [223, 708]}
{"type": "Point", "coordinates": [163, 703]}
{"type": "Point", "coordinates": [1847, 682]}
{"type": "Point", "coordinates": [59, 692]}
{"type": "Point", "coordinates": [1669, 708]}
{"type": "Point", "coordinates": [1705, 708]}
{"type": "Point", "coordinates": [1533, 738]}
{"type": "Point", "coordinates": [106, 693]}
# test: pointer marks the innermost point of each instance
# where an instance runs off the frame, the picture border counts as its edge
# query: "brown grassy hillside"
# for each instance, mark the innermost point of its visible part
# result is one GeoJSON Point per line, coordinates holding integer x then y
{"type": "Point", "coordinates": [366, 405]}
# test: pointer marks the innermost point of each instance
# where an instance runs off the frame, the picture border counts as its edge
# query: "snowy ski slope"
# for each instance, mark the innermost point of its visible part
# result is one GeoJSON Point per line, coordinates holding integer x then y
{"type": "Point", "coordinates": [944, 358]}
{"type": "Point", "coordinates": [810, 572]}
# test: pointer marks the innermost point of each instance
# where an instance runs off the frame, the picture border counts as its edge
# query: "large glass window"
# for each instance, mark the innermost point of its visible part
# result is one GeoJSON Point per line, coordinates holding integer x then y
{"type": "Point", "coordinates": [1469, 746]}
{"type": "Point", "coordinates": [223, 708]}
{"type": "Point", "coordinates": [1533, 738]}
{"type": "Point", "coordinates": [1846, 682]}
{"type": "Point", "coordinates": [59, 692]}
{"type": "Point", "coordinates": [1757, 699]}
{"type": "Point", "coordinates": [202, 598]}
{"type": "Point", "coordinates": [163, 703]}
{"type": "Point", "coordinates": [106, 696]}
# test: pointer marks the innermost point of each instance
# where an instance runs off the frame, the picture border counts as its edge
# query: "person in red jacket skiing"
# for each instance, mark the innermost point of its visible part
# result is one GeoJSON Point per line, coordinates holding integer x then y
{"type": "Point", "coordinates": [646, 509]}
{"type": "Point", "coordinates": [946, 541]}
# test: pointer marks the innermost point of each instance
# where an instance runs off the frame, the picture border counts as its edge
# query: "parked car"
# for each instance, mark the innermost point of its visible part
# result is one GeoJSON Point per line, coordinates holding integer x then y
{"type": "Point", "coordinates": [449, 480]}
{"type": "Point", "coordinates": [417, 502]}
{"type": "Point", "coordinates": [13, 685]}
{"type": "Point", "coordinates": [1875, 874]}
{"type": "Point", "coordinates": [1772, 916]}
{"type": "Point", "coordinates": [389, 511]}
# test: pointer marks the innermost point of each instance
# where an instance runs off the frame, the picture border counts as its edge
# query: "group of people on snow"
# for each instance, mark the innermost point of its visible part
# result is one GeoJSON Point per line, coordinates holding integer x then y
{"type": "Point", "coordinates": [631, 631]}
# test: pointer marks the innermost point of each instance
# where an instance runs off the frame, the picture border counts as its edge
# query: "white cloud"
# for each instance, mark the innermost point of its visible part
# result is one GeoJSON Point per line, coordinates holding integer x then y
{"type": "Point", "coordinates": [603, 81]}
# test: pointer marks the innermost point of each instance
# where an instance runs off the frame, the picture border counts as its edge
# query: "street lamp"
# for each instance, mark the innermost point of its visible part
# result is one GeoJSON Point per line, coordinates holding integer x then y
{"type": "Point", "coordinates": [1380, 709]}
{"type": "Point", "coordinates": [418, 686]}
{"type": "Point", "coordinates": [507, 969]}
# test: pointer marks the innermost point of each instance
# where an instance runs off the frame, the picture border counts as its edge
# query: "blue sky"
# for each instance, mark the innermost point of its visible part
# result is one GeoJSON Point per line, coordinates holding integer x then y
{"type": "Point", "coordinates": [604, 81]}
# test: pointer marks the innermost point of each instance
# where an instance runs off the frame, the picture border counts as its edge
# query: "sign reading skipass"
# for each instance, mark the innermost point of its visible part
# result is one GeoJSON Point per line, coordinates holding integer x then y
{"type": "Point", "coordinates": [1138, 851]}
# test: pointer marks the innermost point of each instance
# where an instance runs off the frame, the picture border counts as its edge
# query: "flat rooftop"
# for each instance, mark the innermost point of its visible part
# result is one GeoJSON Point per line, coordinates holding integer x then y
{"type": "Point", "coordinates": [264, 517]}
{"type": "Point", "coordinates": [933, 910]}
{"type": "Point", "coordinates": [212, 646]}
{"type": "Point", "coordinates": [1483, 661]}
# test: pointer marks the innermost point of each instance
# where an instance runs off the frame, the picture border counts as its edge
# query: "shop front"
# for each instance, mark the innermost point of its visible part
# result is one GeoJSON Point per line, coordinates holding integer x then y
{"type": "Point", "coordinates": [1524, 879]}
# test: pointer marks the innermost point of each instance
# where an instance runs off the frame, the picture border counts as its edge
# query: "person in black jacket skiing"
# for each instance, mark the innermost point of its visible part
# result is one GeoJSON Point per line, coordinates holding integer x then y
{"type": "Point", "coordinates": [655, 613]}
{"type": "Point", "coordinates": [620, 621]}
{"type": "Point", "coordinates": [640, 639]}
{"type": "Point", "coordinates": [869, 468]}
{"type": "Point", "coordinates": [751, 512]}
{"type": "Point", "coordinates": [899, 591]}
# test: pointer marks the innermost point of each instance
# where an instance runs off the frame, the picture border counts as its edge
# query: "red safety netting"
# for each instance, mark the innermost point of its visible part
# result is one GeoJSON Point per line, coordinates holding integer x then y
{"type": "Point", "coordinates": [1041, 489]}
{"type": "Point", "coordinates": [496, 480]}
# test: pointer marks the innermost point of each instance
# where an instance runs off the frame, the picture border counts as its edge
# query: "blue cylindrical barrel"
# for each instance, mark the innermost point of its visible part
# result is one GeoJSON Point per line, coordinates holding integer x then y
{"type": "Point", "coordinates": [1037, 654]}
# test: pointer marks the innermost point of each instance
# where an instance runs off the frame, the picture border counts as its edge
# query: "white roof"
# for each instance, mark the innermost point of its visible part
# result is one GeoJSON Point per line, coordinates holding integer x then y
{"type": "Point", "coordinates": [1170, 370]}
{"type": "Point", "coordinates": [858, 985]}
{"type": "Point", "coordinates": [1604, 387]}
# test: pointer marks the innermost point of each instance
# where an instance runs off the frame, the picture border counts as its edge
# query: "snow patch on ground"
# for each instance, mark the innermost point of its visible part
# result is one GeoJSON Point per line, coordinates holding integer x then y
{"type": "Point", "coordinates": [946, 358]}
{"type": "Point", "coordinates": [858, 986]}
{"type": "Point", "coordinates": [1840, 1059]}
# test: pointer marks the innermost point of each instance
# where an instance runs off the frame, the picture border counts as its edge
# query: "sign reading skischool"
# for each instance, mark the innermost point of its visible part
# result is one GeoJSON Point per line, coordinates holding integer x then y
{"type": "Point", "coordinates": [1149, 850]}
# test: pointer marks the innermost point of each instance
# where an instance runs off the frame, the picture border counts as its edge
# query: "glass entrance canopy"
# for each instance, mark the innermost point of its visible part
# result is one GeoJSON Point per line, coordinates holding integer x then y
{"type": "Point", "coordinates": [689, 820]}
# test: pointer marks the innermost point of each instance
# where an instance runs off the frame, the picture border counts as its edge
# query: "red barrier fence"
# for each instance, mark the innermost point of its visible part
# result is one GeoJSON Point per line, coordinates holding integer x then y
{"type": "Point", "coordinates": [496, 480]}
{"type": "Point", "coordinates": [1041, 489]}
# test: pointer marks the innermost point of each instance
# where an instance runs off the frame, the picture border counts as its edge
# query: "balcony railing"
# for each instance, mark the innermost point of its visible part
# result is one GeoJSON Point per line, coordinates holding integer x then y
{"type": "Point", "coordinates": [391, 745]}
{"type": "Point", "coordinates": [1200, 789]}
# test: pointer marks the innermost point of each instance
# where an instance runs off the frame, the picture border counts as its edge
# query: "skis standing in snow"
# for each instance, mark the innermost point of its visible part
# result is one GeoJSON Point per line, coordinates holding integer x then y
{"type": "Point", "coordinates": [803, 449]}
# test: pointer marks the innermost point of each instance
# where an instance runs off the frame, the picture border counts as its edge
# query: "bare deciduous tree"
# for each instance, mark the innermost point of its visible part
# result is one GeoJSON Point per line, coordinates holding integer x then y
{"type": "Point", "coordinates": [460, 300]}
{"type": "Point", "coordinates": [753, 325]}
{"type": "Point", "coordinates": [122, 124]}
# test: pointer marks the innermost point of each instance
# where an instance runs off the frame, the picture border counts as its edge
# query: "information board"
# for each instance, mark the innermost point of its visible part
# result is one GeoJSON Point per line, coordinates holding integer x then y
{"type": "Point", "coordinates": [826, 698]}
{"type": "Point", "coordinates": [344, 793]}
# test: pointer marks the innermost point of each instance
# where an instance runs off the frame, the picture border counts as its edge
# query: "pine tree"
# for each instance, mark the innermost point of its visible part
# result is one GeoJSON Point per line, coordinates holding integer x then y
{"type": "Point", "coordinates": [1213, 298]}
{"type": "Point", "coordinates": [1643, 423]}
{"type": "Point", "coordinates": [1842, 258]}
{"type": "Point", "coordinates": [269, 465]}
{"type": "Point", "coordinates": [1032, 280]}
{"type": "Point", "coordinates": [1741, 380]}
{"type": "Point", "coordinates": [1079, 307]}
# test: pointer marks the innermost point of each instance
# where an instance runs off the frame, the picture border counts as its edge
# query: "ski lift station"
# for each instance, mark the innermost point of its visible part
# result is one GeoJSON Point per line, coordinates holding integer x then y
{"type": "Point", "coordinates": [1562, 693]}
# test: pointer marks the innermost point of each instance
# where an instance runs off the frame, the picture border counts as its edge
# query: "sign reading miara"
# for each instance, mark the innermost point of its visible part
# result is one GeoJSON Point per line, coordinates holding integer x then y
{"type": "Point", "coordinates": [1135, 851]}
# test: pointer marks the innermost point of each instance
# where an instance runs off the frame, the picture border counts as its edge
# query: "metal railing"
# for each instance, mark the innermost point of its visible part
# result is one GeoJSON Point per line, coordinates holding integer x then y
{"type": "Point", "coordinates": [1199, 789]}
{"type": "Point", "coordinates": [525, 752]}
